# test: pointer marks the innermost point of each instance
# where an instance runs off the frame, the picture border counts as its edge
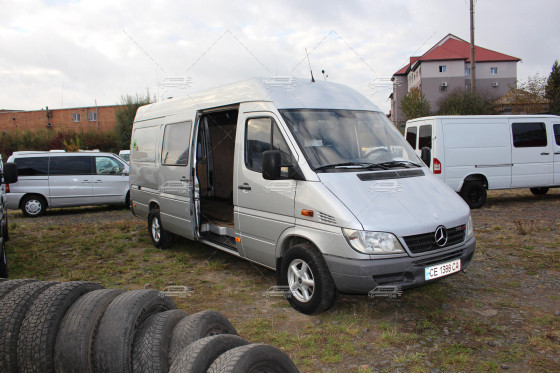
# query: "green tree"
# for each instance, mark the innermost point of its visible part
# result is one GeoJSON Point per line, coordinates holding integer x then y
{"type": "Point", "coordinates": [415, 104]}
{"type": "Point", "coordinates": [125, 117]}
{"type": "Point", "coordinates": [466, 103]}
{"type": "Point", "coordinates": [553, 89]}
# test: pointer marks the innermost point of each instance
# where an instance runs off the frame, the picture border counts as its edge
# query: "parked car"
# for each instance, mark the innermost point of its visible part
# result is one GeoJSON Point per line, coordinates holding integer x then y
{"type": "Point", "coordinates": [125, 155]}
{"type": "Point", "coordinates": [297, 180]}
{"type": "Point", "coordinates": [60, 179]}
{"type": "Point", "coordinates": [476, 153]}
{"type": "Point", "coordinates": [8, 174]}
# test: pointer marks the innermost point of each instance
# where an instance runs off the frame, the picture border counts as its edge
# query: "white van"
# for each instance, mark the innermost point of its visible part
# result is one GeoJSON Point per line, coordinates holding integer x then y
{"type": "Point", "coordinates": [312, 181]}
{"type": "Point", "coordinates": [474, 153]}
{"type": "Point", "coordinates": [60, 179]}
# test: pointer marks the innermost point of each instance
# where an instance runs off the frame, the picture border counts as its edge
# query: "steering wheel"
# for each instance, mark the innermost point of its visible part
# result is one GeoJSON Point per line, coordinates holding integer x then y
{"type": "Point", "coordinates": [377, 151]}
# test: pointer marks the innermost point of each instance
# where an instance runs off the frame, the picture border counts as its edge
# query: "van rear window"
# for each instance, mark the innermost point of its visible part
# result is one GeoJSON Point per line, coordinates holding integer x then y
{"type": "Point", "coordinates": [32, 166]}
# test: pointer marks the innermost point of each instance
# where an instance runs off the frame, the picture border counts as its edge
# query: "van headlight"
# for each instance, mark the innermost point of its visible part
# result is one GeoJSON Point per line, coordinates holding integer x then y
{"type": "Point", "coordinates": [373, 242]}
{"type": "Point", "coordinates": [470, 229]}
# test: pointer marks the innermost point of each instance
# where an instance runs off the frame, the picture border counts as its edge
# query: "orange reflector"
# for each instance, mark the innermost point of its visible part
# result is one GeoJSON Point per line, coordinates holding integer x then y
{"type": "Point", "coordinates": [307, 213]}
{"type": "Point", "coordinates": [237, 239]}
{"type": "Point", "coordinates": [134, 205]}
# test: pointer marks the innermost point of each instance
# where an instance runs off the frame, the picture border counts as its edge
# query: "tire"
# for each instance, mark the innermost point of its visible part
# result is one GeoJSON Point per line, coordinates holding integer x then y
{"type": "Point", "coordinates": [33, 206]}
{"type": "Point", "coordinates": [197, 326]}
{"type": "Point", "coordinates": [160, 237]}
{"type": "Point", "coordinates": [112, 348]}
{"type": "Point", "coordinates": [8, 286]}
{"type": "Point", "coordinates": [253, 358]}
{"type": "Point", "coordinates": [3, 261]}
{"type": "Point", "coordinates": [38, 330]}
{"type": "Point", "coordinates": [474, 194]}
{"type": "Point", "coordinates": [151, 343]}
{"type": "Point", "coordinates": [199, 355]}
{"type": "Point", "coordinates": [12, 313]}
{"type": "Point", "coordinates": [73, 351]}
{"type": "Point", "coordinates": [539, 191]}
{"type": "Point", "coordinates": [305, 271]}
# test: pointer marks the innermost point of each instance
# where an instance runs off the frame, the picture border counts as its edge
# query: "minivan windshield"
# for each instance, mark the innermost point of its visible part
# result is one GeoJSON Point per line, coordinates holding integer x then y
{"type": "Point", "coordinates": [342, 139]}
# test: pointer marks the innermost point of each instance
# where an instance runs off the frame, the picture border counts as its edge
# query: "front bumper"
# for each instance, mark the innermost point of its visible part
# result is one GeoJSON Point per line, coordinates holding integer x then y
{"type": "Point", "coordinates": [360, 276]}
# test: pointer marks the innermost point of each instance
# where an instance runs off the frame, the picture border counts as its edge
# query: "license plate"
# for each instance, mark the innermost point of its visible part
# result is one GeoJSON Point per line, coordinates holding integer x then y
{"type": "Point", "coordinates": [443, 269]}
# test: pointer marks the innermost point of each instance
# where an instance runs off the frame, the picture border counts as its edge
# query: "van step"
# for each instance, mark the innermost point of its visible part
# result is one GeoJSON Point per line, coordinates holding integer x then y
{"type": "Point", "coordinates": [217, 229]}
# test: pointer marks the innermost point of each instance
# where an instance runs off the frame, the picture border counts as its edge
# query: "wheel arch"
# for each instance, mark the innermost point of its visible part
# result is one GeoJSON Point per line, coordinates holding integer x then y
{"type": "Point", "coordinates": [23, 197]}
{"type": "Point", "coordinates": [476, 177]}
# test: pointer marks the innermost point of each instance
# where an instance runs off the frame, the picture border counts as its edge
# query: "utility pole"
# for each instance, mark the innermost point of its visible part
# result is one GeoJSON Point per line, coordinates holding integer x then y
{"type": "Point", "coordinates": [473, 87]}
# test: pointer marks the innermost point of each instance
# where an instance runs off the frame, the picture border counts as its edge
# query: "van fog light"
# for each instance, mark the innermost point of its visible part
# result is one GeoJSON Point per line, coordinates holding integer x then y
{"type": "Point", "coordinates": [373, 242]}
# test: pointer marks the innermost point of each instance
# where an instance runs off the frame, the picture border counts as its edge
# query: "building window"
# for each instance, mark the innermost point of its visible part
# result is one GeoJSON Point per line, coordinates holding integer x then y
{"type": "Point", "coordinates": [76, 117]}
{"type": "Point", "coordinates": [442, 68]}
{"type": "Point", "coordinates": [92, 116]}
{"type": "Point", "coordinates": [443, 88]}
{"type": "Point", "coordinates": [467, 71]}
{"type": "Point", "coordinates": [494, 71]}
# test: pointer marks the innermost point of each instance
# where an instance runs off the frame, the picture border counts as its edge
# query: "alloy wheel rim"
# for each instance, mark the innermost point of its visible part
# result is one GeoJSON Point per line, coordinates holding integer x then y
{"type": "Point", "coordinates": [156, 229]}
{"type": "Point", "coordinates": [301, 280]}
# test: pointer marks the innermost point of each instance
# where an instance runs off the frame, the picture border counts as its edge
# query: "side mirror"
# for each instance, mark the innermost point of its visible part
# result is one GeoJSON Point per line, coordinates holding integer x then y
{"type": "Point", "coordinates": [271, 164]}
{"type": "Point", "coordinates": [10, 173]}
{"type": "Point", "coordinates": [426, 156]}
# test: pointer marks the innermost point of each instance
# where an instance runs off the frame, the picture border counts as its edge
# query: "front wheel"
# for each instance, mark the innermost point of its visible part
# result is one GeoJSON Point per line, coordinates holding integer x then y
{"type": "Point", "coordinates": [539, 191]}
{"type": "Point", "coordinates": [160, 238]}
{"type": "Point", "coordinates": [33, 206]}
{"type": "Point", "coordinates": [312, 288]}
{"type": "Point", "coordinates": [3, 262]}
{"type": "Point", "coordinates": [474, 193]}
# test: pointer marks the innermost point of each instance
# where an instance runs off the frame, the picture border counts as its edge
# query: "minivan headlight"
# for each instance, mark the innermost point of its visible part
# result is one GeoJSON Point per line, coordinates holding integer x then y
{"type": "Point", "coordinates": [470, 229]}
{"type": "Point", "coordinates": [373, 242]}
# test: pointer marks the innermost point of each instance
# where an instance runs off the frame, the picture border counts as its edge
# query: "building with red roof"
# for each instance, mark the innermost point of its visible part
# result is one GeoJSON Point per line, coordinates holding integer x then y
{"type": "Point", "coordinates": [446, 67]}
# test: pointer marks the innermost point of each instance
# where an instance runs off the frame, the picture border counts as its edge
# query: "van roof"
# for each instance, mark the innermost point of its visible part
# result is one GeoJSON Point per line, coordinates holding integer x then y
{"type": "Point", "coordinates": [284, 92]}
{"type": "Point", "coordinates": [497, 116]}
{"type": "Point", "coordinates": [58, 153]}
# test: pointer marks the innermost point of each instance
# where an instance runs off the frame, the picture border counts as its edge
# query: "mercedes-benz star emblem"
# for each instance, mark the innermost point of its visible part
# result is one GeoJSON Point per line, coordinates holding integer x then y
{"type": "Point", "coordinates": [441, 236]}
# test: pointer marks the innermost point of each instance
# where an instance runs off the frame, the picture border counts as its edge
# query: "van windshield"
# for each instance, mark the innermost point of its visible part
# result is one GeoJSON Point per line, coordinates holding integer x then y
{"type": "Point", "coordinates": [341, 139]}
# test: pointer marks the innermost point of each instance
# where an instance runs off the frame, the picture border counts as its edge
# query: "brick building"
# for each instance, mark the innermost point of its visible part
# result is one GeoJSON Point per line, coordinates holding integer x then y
{"type": "Point", "coordinates": [101, 118]}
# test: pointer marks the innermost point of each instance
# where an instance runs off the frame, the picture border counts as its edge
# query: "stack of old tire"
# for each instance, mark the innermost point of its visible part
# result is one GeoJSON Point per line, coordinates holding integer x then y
{"type": "Point", "coordinates": [81, 327]}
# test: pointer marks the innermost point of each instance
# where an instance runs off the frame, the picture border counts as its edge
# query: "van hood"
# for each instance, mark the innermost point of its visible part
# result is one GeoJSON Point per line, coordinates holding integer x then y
{"type": "Point", "coordinates": [403, 202]}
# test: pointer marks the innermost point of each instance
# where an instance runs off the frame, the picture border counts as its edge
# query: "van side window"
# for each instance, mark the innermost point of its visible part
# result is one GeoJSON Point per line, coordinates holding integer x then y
{"type": "Point", "coordinates": [425, 138]}
{"type": "Point", "coordinates": [263, 134]}
{"type": "Point", "coordinates": [143, 144]}
{"type": "Point", "coordinates": [529, 135]}
{"type": "Point", "coordinates": [175, 144]}
{"type": "Point", "coordinates": [411, 136]}
{"type": "Point", "coordinates": [557, 133]}
{"type": "Point", "coordinates": [32, 166]}
{"type": "Point", "coordinates": [108, 166]}
{"type": "Point", "coordinates": [70, 166]}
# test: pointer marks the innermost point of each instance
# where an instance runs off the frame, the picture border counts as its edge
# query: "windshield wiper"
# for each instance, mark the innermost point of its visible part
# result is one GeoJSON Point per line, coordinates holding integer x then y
{"type": "Point", "coordinates": [397, 163]}
{"type": "Point", "coordinates": [347, 164]}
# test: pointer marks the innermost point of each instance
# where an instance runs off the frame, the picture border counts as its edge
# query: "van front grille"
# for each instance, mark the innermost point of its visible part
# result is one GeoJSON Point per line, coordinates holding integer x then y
{"type": "Point", "coordinates": [425, 242]}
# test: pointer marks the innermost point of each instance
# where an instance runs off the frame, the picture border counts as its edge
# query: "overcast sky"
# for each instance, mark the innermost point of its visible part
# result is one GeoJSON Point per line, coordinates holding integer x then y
{"type": "Point", "coordinates": [59, 53]}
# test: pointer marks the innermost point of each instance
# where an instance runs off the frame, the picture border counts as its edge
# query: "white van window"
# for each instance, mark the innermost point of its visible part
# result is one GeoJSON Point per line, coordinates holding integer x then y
{"type": "Point", "coordinates": [557, 133]}
{"type": "Point", "coordinates": [330, 137]}
{"type": "Point", "coordinates": [32, 166]}
{"type": "Point", "coordinates": [263, 134]}
{"type": "Point", "coordinates": [175, 144]}
{"type": "Point", "coordinates": [70, 165]}
{"type": "Point", "coordinates": [425, 138]}
{"type": "Point", "coordinates": [411, 133]}
{"type": "Point", "coordinates": [143, 145]}
{"type": "Point", "coordinates": [108, 166]}
{"type": "Point", "coordinates": [529, 135]}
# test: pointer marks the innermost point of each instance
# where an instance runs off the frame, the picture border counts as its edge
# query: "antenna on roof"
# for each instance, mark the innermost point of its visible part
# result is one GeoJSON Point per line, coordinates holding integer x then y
{"type": "Point", "coordinates": [312, 79]}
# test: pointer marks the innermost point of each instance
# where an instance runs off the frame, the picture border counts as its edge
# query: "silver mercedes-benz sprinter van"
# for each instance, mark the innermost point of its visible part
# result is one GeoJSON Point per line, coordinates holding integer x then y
{"type": "Point", "coordinates": [60, 179]}
{"type": "Point", "coordinates": [310, 180]}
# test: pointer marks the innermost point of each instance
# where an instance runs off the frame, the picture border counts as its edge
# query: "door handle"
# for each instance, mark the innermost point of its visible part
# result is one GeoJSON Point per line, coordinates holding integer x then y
{"type": "Point", "coordinates": [545, 153]}
{"type": "Point", "coordinates": [98, 181]}
{"type": "Point", "coordinates": [556, 153]}
{"type": "Point", "coordinates": [86, 182]}
{"type": "Point", "coordinates": [245, 186]}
